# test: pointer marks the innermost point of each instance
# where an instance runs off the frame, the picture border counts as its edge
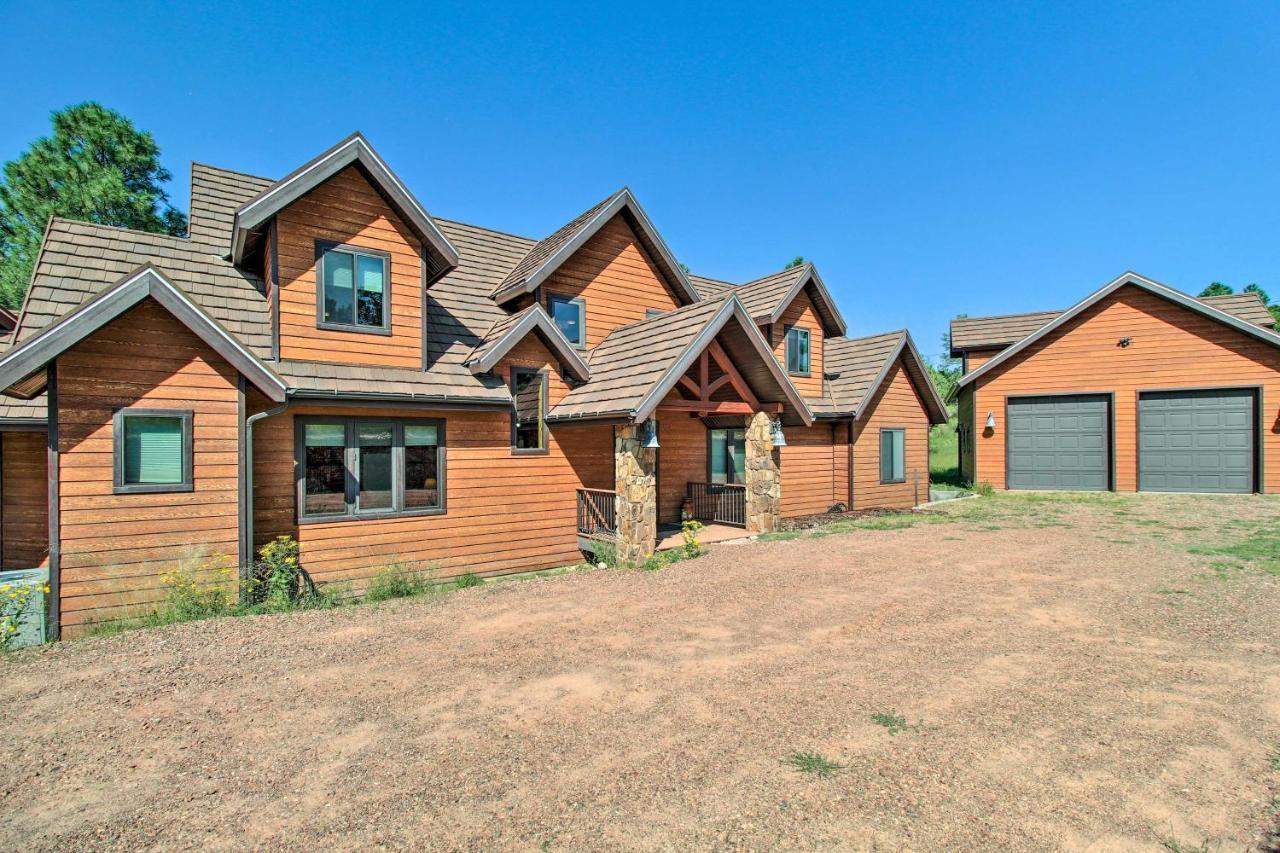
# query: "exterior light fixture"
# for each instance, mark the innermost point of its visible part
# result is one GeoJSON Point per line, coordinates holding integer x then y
{"type": "Point", "coordinates": [1125, 341]}
{"type": "Point", "coordinates": [649, 435]}
{"type": "Point", "coordinates": [775, 432]}
{"type": "Point", "coordinates": [991, 420]}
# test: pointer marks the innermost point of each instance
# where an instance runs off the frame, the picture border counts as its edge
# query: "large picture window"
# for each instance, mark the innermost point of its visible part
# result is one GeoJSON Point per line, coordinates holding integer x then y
{"type": "Point", "coordinates": [152, 450]}
{"type": "Point", "coordinates": [354, 288]}
{"type": "Point", "coordinates": [529, 420]}
{"type": "Point", "coordinates": [893, 455]}
{"type": "Point", "coordinates": [798, 351]}
{"type": "Point", "coordinates": [570, 316]}
{"type": "Point", "coordinates": [370, 467]}
{"type": "Point", "coordinates": [727, 455]}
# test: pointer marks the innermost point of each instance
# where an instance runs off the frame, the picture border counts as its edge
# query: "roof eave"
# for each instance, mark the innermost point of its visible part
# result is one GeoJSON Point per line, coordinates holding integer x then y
{"type": "Point", "coordinates": [535, 320]}
{"type": "Point", "coordinates": [811, 276]}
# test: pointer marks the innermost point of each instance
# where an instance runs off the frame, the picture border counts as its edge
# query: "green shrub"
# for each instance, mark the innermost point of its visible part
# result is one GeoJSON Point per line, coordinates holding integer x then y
{"type": "Point", "coordinates": [985, 489]}
{"type": "Point", "coordinates": [467, 580]}
{"type": "Point", "coordinates": [604, 550]}
{"type": "Point", "coordinates": [689, 532]}
{"type": "Point", "coordinates": [399, 580]}
{"type": "Point", "coordinates": [198, 588]}
{"type": "Point", "coordinates": [279, 574]}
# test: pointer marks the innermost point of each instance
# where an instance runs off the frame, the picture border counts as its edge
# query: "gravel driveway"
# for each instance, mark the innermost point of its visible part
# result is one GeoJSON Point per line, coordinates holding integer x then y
{"type": "Point", "coordinates": [1071, 673]}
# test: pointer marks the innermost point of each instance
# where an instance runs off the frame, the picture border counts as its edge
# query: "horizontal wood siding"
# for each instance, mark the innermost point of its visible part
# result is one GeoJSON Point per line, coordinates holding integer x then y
{"type": "Point", "coordinates": [896, 404]}
{"type": "Point", "coordinates": [1171, 347]}
{"type": "Point", "coordinates": [24, 500]}
{"type": "Point", "coordinates": [811, 466]}
{"type": "Point", "coordinates": [505, 512]}
{"type": "Point", "coordinates": [682, 459]}
{"type": "Point", "coordinates": [347, 209]}
{"type": "Point", "coordinates": [615, 276]}
{"type": "Point", "coordinates": [801, 313]}
{"type": "Point", "coordinates": [976, 358]}
{"type": "Point", "coordinates": [115, 547]}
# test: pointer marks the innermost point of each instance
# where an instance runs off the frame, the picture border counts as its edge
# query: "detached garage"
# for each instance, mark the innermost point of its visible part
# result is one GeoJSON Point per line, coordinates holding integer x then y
{"type": "Point", "coordinates": [1138, 387]}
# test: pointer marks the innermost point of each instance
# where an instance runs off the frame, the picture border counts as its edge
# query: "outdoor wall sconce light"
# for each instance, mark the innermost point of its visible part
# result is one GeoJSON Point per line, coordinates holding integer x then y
{"type": "Point", "coordinates": [1125, 341]}
{"type": "Point", "coordinates": [649, 435]}
{"type": "Point", "coordinates": [991, 420]}
{"type": "Point", "coordinates": [775, 432]}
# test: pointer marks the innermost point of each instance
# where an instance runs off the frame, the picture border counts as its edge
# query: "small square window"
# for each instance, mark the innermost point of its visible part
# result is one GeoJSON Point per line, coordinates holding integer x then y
{"type": "Point", "coordinates": [353, 291]}
{"type": "Point", "coordinates": [152, 450]}
{"type": "Point", "coordinates": [570, 316]}
{"type": "Point", "coordinates": [798, 351]}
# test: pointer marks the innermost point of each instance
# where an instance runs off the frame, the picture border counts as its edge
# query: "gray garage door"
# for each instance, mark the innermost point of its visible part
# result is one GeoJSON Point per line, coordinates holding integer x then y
{"type": "Point", "coordinates": [1196, 441]}
{"type": "Point", "coordinates": [1058, 443]}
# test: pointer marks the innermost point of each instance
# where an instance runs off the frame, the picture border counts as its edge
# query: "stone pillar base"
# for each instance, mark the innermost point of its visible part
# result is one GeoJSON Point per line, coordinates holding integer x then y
{"type": "Point", "coordinates": [636, 495]}
{"type": "Point", "coordinates": [764, 476]}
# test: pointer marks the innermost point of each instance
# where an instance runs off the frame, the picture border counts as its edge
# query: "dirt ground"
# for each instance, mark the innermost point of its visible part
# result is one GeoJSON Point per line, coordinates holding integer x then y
{"type": "Point", "coordinates": [1073, 675]}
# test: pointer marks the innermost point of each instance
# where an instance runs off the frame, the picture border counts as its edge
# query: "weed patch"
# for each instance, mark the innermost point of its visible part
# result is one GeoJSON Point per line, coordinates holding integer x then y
{"type": "Point", "coordinates": [399, 580]}
{"type": "Point", "coordinates": [894, 722]}
{"type": "Point", "coordinates": [812, 763]}
{"type": "Point", "coordinates": [1259, 548]}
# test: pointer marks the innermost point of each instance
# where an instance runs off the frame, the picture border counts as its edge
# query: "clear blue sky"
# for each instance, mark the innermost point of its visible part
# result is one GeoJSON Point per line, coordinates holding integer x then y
{"type": "Point", "coordinates": [931, 158]}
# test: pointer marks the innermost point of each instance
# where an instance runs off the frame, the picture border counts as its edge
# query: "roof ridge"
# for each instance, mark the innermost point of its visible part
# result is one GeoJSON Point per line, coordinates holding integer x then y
{"type": "Point", "coordinates": [1014, 314]}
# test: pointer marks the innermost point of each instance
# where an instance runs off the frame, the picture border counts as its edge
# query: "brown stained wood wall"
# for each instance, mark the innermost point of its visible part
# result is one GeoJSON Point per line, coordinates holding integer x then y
{"type": "Point", "coordinates": [615, 276]}
{"type": "Point", "coordinates": [815, 465]}
{"type": "Point", "coordinates": [801, 313]}
{"type": "Point", "coordinates": [1172, 347]}
{"type": "Point", "coordinates": [24, 500]}
{"type": "Point", "coordinates": [506, 512]}
{"type": "Point", "coordinates": [115, 547]}
{"type": "Point", "coordinates": [896, 404]}
{"type": "Point", "coordinates": [682, 459]}
{"type": "Point", "coordinates": [347, 209]}
{"type": "Point", "coordinates": [976, 358]}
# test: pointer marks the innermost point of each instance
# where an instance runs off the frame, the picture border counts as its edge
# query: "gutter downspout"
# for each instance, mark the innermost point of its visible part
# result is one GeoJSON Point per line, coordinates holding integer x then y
{"type": "Point", "coordinates": [248, 480]}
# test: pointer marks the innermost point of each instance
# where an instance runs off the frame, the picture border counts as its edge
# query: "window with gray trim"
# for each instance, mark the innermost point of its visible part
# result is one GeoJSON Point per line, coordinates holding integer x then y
{"type": "Point", "coordinates": [528, 419]}
{"type": "Point", "coordinates": [354, 286]}
{"type": "Point", "coordinates": [893, 455]}
{"type": "Point", "coordinates": [152, 450]}
{"type": "Point", "coordinates": [570, 316]}
{"type": "Point", "coordinates": [798, 351]}
{"type": "Point", "coordinates": [369, 467]}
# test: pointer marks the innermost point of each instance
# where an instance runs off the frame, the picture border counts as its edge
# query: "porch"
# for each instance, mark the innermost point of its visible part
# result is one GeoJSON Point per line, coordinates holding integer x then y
{"type": "Point", "coordinates": [720, 507]}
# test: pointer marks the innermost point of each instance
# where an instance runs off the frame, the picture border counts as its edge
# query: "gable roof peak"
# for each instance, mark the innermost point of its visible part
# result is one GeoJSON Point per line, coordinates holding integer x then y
{"type": "Point", "coordinates": [353, 150]}
{"type": "Point", "coordinates": [551, 252]}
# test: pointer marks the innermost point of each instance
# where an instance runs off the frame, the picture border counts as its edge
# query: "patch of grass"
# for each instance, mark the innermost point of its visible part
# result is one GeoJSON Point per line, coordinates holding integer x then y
{"type": "Point", "coordinates": [1164, 590]}
{"type": "Point", "coordinates": [467, 580]}
{"type": "Point", "coordinates": [944, 462]}
{"type": "Point", "coordinates": [893, 721]}
{"type": "Point", "coordinates": [1175, 846]}
{"type": "Point", "coordinates": [812, 763]}
{"type": "Point", "coordinates": [399, 580]}
{"type": "Point", "coordinates": [780, 536]}
{"type": "Point", "coordinates": [1257, 547]}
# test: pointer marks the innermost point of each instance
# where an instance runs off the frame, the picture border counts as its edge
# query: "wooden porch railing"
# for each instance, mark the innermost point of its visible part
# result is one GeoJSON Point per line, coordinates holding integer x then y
{"type": "Point", "coordinates": [596, 512]}
{"type": "Point", "coordinates": [719, 503]}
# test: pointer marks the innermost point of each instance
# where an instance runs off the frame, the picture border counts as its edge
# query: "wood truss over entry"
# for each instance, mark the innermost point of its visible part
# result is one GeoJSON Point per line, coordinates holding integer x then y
{"type": "Point", "coordinates": [697, 391]}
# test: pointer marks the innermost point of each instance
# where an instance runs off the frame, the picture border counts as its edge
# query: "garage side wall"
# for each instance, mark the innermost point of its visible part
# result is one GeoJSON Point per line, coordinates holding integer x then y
{"type": "Point", "coordinates": [1170, 347]}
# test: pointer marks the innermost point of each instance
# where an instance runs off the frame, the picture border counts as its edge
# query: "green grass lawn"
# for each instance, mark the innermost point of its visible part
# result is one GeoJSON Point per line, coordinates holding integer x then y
{"type": "Point", "coordinates": [943, 459]}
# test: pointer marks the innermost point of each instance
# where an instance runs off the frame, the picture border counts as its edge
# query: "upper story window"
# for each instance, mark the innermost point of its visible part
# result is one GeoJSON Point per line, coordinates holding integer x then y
{"type": "Point", "coordinates": [152, 450]}
{"type": "Point", "coordinates": [798, 351]}
{"type": "Point", "coordinates": [354, 294]}
{"type": "Point", "coordinates": [528, 422]}
{"type": "Point", "coordinates": [570, 316]}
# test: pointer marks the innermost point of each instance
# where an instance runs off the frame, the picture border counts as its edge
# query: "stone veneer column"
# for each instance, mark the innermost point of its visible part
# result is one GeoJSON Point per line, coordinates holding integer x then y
{"type": "Point", "coordinates": [636, 501]}
{"type": "Point", "coordinates": [764, 476]}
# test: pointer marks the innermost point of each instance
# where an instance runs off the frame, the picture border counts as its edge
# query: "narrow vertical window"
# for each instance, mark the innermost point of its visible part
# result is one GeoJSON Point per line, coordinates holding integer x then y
{"type": "Point", "coordinates": [153, 450]}
{"type": "Point", "coordinates": [373, 443]}
{"type": "Point", "coordinates": [797, 350]}
{"type": "Point", "coordinates": [893, 457]}
{"type": "Point", "coordinates": [727, 456]}
{"type": "Point", "coordinates": [325, 469]}
{"type": "Point", "coordinates": [570, 316]}
{"type": "Point", "coordinates": [353, 288]}
{"type": "Point", "coordinates": [529, 391]}
{"type": "Point", "coordinates": [421, 466]}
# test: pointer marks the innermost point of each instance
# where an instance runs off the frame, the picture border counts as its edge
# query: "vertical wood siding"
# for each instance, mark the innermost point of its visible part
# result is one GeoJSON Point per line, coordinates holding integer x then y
{"type": "Point", "coordinates": [615, 276]}
{"type": "Point", "coordinates": [506, 512]}
{"type": "Point", "coordinates": [896, 404]}
{"type": "Point", "coordinates": [115, 547]}
{"type": "Point", "coordinates": [1172, 347]}
{"type": "Point", "coordinates": [814, 468]}
{"type": "Point", "coordinates": [347, 209]}
{"type": "Point", "coordinates": [24, 500]}
{"type": "Point", "coordinates": [801, 313]}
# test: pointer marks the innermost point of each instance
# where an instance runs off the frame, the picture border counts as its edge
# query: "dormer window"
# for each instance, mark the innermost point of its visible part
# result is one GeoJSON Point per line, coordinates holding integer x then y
{"type": "Point", "coordinates": [798, 351]}
{"type": "Point", "coordinates": [570, 316]}
{"type": "Point", "coordinates": [353, 293]}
